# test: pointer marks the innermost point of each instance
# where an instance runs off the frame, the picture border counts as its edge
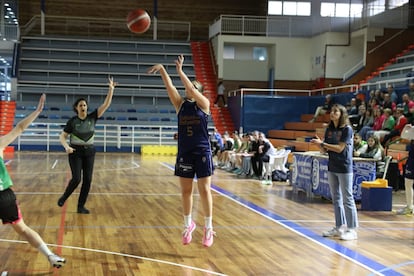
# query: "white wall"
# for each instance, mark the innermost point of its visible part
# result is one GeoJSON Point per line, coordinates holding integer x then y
{"type": "Point", "coordinates": [301, 59]}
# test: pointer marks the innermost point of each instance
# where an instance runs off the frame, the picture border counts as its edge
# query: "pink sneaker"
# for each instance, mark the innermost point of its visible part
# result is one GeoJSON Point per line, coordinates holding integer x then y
{"type": "Point", "coordinates": [187, 233]}
{"type": "Point", "coordinates": [208, 237]}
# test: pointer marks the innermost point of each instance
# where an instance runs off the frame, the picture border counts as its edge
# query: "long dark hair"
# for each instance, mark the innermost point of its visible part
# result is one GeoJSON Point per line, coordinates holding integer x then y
{"type": "Point", "coordinates": [344, 118]}
{"type": "Point", "coordinates": [77, 102]}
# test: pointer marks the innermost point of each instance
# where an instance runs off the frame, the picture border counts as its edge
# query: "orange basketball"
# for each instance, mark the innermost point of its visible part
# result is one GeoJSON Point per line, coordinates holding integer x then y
{"type": "Point", "coordinates": [138, 21]}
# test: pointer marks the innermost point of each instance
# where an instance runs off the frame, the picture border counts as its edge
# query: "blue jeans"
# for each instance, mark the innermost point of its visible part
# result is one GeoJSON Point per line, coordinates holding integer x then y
{"type": "Point", "coordinates": [343, 199]}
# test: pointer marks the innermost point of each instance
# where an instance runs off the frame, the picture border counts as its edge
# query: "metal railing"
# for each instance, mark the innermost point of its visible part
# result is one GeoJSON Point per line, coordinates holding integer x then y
{"type": "Point", "coordinates": [128, 137]}
{"type": "Point", "coordinates": [306, 26]}
{"type": "Point", "coordinates": [104, 27]}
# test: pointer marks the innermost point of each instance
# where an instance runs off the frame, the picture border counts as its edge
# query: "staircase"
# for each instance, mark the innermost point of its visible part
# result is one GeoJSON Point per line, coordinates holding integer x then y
{"type": "Point", "coordinates": [205, 73]}
{"type": "Point", "coordinates": [7, 111]}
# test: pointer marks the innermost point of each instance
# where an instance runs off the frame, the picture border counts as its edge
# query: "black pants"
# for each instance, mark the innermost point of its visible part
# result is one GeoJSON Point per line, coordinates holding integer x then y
{"type": "Point", "coordinates": [257, 163]}
{"type": "Point", "coordinates": [81, 165]}
{"type": "Point", "coordinates": [218, 98]}
{"type": "Point", "coordinates": [393, 133]}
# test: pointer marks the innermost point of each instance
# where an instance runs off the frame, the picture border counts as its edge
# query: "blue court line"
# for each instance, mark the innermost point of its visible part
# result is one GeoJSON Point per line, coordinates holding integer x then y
{"type": "Point", "coordinates": [370, 264]}
{"type": "Point", "coordinates": [365, 261]}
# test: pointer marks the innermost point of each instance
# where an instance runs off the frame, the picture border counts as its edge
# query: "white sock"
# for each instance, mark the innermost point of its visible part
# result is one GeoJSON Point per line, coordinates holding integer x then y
{"type": "Point", "coordinates": [45, 250]}
{"type": "Point", "coordinates": [208, 222]}
{"type": "Point", "coordinates": [187, 220]}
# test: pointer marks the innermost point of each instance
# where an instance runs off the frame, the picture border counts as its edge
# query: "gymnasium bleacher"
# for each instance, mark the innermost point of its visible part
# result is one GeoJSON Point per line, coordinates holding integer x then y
{"type": "Point", "coordinates": [68, 68]}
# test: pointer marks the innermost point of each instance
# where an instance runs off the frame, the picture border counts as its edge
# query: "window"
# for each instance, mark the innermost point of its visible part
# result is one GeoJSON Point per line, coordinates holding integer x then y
{"type": "Point", "coordinates": [228, 52]}
{"type": "Point", "coordinates": [260, 53]}
{"type": "Point", "coordinates": [289, 8]}
{"type": "Point", "coordinates": [329, 9]}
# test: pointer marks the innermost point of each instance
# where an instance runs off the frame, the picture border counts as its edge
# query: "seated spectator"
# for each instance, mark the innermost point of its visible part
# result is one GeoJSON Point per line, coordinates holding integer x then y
{"type": "Point", "coordinates": [387, 125]}
{"type": "Point", "coordinates": [401, 122]}
{"type": "Point", "coordinates": [226, 155]}
{"type": "Point", "coordinates": [359, 144]}
{"type": "Point", "coordinates": [393, 94]}
{"type": "Point", "coordinates": [387, 103]}
{"type": "Point", "coordinates": [352, 108]}
{"type": "Point", "coordinates": [216, 142]}
{"type": "Point", "coordinates": [264, 150]}
{"type": "Point", "coordinates": [228, 144]}
{"type": "Point", "coordinates": [237, 157]}
{"type": "Point", "coordinates": [408, 107]}
{"type": "Point", "coordinates": [375, 151]}
{"type": "Point", "coordinates": [246, 157]}
{"type": "Point", "coordinates": [411, 89]}
{"type": "Point", "coordinates": [366, 118]}
{"type": "Point", "coordinates": [353, 111]}
{"type": "Point", "coordinates": [378, 121]}
{"type": "Point", "coordinates": [323, 109]}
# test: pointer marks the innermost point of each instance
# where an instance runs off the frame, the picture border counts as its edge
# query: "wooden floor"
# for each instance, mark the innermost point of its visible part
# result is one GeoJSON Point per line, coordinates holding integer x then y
{"type": "Point", "coordinates": [135, 225]}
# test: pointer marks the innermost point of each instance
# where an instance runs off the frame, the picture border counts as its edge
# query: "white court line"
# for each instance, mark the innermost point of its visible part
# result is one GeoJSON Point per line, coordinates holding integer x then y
{"type": "Point", "coordinates": [135, 166]}
{"type": "Point", "coordinates": [124, 255]}
{"type": "Point", "coordinates": [295, 231]}
{"type": "Point", "coordinates": [54, 164]}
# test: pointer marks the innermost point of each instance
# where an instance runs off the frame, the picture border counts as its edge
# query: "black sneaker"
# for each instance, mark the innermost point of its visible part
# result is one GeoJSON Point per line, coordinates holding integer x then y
{"type": "Point", "coordinates": [61, 202]}
{"type": "Point", "coordinates": [83, 210]}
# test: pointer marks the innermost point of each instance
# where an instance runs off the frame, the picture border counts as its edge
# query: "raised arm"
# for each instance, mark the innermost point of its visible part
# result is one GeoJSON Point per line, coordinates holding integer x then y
{"type": "Point", "coordinates": [192, 92]}
{"type": "Point", "coordinates": [173, 94]}
{"type": "Point", "coordinates": [22, 125]}
{"type": "Point", "coordinates": [108, 99]}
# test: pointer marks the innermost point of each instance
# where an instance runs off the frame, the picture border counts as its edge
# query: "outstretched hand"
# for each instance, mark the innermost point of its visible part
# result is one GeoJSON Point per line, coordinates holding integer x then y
{"type": "Point", "coordinates": [154, 69]}
{"type": "Point", "coordinates": [179, 63]}
{"type": "Point", "coordinates": [41, 103]}
{"type": "Point", "coordinates": [111, 82]}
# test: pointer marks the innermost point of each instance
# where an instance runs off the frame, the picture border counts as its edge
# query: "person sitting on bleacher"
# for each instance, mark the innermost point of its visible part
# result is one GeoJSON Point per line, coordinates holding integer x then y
{"type": "Point", "coordinates": [237, 157]}
{"type": "Point", "coordinates": [228, 162]}
{"type": "Point", "coordinates": [374, 151]}
{"type": "Point", "coordinates": [359, 144]}
{"type": "Point", "coordinates": [264, 150]}
{"type": "Point", "coordinates": [353, 111]}
{"type": "Point", "coordinates": [378, 121]}
{"type": "Point", "coordinates": [216, 142]}
{"type": "Point", "coordinates": [387, 126]}
{"type": "Point", "coordinates": [408, 106]}
{"type": "Point", "coordinates": [366, 118]}
{"type": "Point", "coordinates": [228, 144]}
{"type": "Point", "coordinates": [387, 103]}
{"type": "Point", "coordinates": [401, 122]}
{"type": "Point", "coordinates": [323, 109]}
{"type": "Point", "coordinates": [246, 163]}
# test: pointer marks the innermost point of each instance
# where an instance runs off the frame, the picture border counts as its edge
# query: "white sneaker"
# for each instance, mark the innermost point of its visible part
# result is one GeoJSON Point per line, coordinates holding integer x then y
{"type": "Point", "coordinates": [56, 261]}
{"type": "Point", "coordinates": [334, 232]}
{"type": "Point", "coordinates": [405, 211]}
{"type": "Point", "coordinates": [349, 235]}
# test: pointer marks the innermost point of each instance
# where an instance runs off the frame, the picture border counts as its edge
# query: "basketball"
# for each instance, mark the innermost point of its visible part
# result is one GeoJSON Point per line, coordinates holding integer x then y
{"type": "Point", "coordinates": [138, 21]}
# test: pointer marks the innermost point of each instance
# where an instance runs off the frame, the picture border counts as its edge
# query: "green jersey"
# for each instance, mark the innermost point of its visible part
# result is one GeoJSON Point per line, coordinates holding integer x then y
{"type": "Point", "coordinates": [5, 180]}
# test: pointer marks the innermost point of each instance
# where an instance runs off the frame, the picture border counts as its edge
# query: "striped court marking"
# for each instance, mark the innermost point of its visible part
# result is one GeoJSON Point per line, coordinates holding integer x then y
{"type": "Point", "coordinates": [351, 255]}
{"type": "Point", "coordinates": [123, 255]}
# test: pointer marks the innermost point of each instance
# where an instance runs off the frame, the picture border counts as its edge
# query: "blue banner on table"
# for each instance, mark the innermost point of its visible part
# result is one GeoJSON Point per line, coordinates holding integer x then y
{"type": "Point", "coordinates": [363, 171]}
{"type": "Point", "coordinates": [320, 184]}
{"type": "Point", "coordinates": [302, 173]}
{"type": "Point", "coordinates": [310, 174]}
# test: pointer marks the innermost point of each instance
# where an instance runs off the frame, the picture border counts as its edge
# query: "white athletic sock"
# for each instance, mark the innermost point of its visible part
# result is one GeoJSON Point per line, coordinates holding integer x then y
{"type": "Point", "coordinates": [45, 250]}
{"type": "Point", "coordinates": [208, 221]}
{"type": "Point", "coordinates": [408, 183]}
{"type": "Point", "coordinates": [187, 220]}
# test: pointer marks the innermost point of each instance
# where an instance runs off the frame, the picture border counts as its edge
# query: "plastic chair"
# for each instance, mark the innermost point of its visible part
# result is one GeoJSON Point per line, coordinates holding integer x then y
{"type": "Point", "coordinates": [276, 162]}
